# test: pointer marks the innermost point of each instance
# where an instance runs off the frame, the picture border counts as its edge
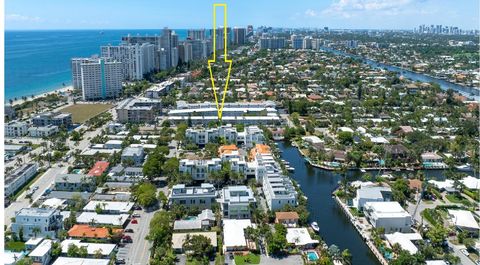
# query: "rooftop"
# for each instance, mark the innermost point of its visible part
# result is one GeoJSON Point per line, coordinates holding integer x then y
{"type": "Point", "coordinates": [233, 232]}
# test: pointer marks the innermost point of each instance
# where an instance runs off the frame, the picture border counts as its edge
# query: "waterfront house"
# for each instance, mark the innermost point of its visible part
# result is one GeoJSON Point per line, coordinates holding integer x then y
{"type": "Point", "coordinates": [371, 194]}
{"type": "Point", "coordinates": [389, 215]}
{"type": "Point", "coordinates": [407, 241]}
{"type": "Point", "coordinates": [396, 151]}
{"type": "Point", "coordinates": [288, 219]}
{"type": "Point", "coordinates": [300, 237]}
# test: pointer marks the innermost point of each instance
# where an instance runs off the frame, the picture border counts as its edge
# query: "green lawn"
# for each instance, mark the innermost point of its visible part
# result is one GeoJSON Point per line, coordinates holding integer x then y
{"type": "Point", "coordinates": [248, 259]}
{"type": "Point", "coordinates": [457, 199]}
{"type": "Point", "coordinates": [219, 259]}
{"type": "Point", "coordinates": [17, 246]}
{"type": "Point", "coordinates": [193, 262]}
{"type": "Point", "coordinates": [83, 112]}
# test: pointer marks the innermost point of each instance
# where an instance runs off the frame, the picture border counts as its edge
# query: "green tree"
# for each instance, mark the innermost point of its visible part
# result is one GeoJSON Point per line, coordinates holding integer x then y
{"type": "Point", "coordinates": [198, 246]}
{"type": "Point", "coordinates": [347, 256]}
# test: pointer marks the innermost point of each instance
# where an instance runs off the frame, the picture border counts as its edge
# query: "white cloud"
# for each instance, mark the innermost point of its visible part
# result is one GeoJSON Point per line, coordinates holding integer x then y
{"type": "Point", "coordinates": [18, 17]}
{"type": "Point", "coordinates": [311, 13]}
{"type": "Point", "coordinates": [349, 8]}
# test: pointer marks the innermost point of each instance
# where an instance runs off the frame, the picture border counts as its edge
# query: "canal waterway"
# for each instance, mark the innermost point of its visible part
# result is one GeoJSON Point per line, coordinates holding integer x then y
{"type": "Point", "coordinates": [318, 184]}
{"type": "Point", "coordinates": [470, 92]}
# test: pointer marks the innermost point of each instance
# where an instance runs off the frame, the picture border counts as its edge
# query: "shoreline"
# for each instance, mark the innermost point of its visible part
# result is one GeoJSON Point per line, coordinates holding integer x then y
{"type": "Point", "coordinates": [61, 90]}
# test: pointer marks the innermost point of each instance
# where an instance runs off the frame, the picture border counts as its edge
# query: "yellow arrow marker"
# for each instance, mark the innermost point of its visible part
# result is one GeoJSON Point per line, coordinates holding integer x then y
{"type": "Point", "coordinates": [210, 62]}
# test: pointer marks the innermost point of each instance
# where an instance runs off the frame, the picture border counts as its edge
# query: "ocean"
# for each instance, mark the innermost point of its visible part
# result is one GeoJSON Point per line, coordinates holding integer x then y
{"type": "Point", "coordinates": [39, 61]}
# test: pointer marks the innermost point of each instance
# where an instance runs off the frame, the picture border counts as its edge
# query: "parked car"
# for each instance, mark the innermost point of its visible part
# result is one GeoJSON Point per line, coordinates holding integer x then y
{"type": "Point", "coordinates": [465, 252]}
{"type": "Point", "coordinates": [128, 230]}
{"type": "Point", "coordinates": [134, 221]}
{"type": "Point", "coordinates": [127, 239]}
{"type": "Point", "coordinates": [120, 261]}
{"type": "Point", "coordinates": [136, 215]}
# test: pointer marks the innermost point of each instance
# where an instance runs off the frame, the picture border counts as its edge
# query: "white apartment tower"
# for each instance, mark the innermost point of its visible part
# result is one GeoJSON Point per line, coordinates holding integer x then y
{"type": "Point", "coordinates": [132, 56]}
{"type": "Point", "coordinates": [101, 79]}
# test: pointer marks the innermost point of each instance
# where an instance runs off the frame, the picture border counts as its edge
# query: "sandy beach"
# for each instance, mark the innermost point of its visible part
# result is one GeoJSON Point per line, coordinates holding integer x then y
{"type": "Point", "coordinates": [56, 91]}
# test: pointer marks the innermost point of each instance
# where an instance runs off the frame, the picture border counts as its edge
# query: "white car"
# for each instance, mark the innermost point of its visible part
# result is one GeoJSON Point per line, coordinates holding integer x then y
{"type": "Point", "coordinates": [465, 252]}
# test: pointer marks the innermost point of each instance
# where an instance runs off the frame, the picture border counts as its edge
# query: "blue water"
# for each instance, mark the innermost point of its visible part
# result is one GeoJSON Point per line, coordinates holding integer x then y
{"type": "Point", "coordinates": [39, 61]}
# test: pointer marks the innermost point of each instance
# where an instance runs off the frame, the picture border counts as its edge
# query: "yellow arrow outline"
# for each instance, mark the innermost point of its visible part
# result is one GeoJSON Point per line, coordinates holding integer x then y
{"type": "Point", "coordinates": [225, 39]}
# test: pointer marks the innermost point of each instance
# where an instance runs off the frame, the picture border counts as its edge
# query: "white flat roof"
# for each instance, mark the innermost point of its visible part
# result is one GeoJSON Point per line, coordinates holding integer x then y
{"type": "Point", "coordinates": [123, 207]}
{"type": "Point", "coordinates": [80, 261]}
{"type": "Point", "coordinates": [34, 241]}
{"type": "Point", "coordinates": [404, 240]}
{"type": "Point", "coordinates": [53, 202]}
{"type": "Point", "coordinates": [233, 232]}
{"type": "Point", "coordinates": [299, 237]}
{"type": "Point", "coordinates": [387, 209]}
{"type": "Point", "coordinates": [91, 247]}
{"type": "Point", "coordinates": [112, 219]}
{"type": "Point", "coordinates": [463, 218]}
{"type": "Point", "coordinates": [9, 258]}
{"type": "Point", "coordinates": [471, 182]}
{"type": "Point", "coordinates": [42, 249]}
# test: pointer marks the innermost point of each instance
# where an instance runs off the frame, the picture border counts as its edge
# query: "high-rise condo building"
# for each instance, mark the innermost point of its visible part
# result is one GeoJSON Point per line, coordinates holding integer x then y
{"type": "Point", "coordinates": [297, 41]}
{"type": "Point", "coordinates": [239, 36]}
{"type": "Point", "coordinates": [132, 58]}
{"type": "Point", "coordinates": [249, 31]}
{"type": "Point", "coordinates": [101, 78]}
{"type": "Point", "coordinates": [196, 34]}
{"type": "Point", "coordinates": [166, 43]}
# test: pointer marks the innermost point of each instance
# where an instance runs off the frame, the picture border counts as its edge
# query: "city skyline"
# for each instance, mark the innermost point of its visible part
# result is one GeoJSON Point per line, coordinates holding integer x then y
{"type": "Point", "coordinates": [339, 14]}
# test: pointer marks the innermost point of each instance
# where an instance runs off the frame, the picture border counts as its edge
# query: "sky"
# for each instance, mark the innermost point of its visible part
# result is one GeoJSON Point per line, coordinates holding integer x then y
{"type": "Point", "coordinates": [153, 14]}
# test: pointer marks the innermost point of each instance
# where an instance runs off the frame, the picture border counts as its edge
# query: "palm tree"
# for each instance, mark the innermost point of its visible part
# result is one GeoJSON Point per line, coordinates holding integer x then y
{"type": "Point", "coordinates": [36, 230]}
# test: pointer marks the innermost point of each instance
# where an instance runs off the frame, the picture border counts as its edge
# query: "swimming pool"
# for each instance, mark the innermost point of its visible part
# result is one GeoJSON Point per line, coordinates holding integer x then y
{"type": "Point", "coordinates": [312, 256]}
{"type": "Point", "coordinates": [76, 171]}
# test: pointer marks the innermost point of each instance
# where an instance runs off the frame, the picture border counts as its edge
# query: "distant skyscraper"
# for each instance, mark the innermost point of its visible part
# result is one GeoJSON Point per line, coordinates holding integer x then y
{"type": "Point", "coordinates": [132, 58]}
{"type": "Point", "coordinates": [307, 43]}
{"type": "Point", "coordinates": [77, 70]}
{"type": "Point", "coordinates": [271, 43]}
{"type": "Point", "coordinates": [297, 41]}
{"type": "Point", "coordinates": [166, 44]}
{"type": "Point", "coordinates": [239, 35]}
{"type": "Point", "coordinates": [196, 34]}
{"type": "Point", "coordinates": [249, 31]}
{"type": "Point", "coordinates": [101, 79]}
{"type": "Point", "coordinates": [174, 42]}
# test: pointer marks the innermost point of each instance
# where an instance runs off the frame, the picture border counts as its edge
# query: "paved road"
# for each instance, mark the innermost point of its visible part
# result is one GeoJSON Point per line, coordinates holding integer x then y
{"type": "Point", "coordinates": [138, 252]}
{"type": "Point", "coordinates": [43, 183]}
{"type": "Point", "coordinates": [464, 260]}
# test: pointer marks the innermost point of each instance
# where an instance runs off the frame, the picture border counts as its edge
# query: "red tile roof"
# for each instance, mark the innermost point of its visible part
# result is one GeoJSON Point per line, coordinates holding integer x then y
{"type": "Point", "coordinates": [98, 169]}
